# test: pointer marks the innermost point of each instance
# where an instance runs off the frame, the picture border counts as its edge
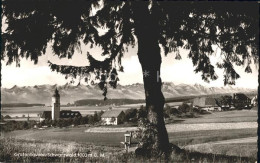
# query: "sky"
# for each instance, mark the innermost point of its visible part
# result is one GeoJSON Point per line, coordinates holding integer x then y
{"type": "Point", "coordinates": [176, 71]}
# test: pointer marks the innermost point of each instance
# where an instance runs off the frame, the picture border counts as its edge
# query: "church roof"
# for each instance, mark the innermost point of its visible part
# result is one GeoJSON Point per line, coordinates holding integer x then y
{"type": "Point", "coordinates": [69, 114]}
{"type": "Point", "coordinates": [63, 114]}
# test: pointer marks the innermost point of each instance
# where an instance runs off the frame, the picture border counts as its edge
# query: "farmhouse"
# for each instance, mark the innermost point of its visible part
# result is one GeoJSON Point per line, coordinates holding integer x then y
{"type": "Point", "coordinates": [113, 117]}
{"type": "Point", "coordinates": [225, 102]}
{"type": "Point", "coordinates": [241, 101]}
{"type": "Point", "coordinates": [206, 103]}
{"type": "Point", "coordinates": [254, 101]}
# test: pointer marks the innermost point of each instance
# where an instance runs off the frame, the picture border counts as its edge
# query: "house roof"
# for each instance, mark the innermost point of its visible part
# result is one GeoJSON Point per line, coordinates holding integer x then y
{"type": "Point", "coordinates": [240, 96]}
{"type": "Point", "coordinates": [111, 113]}
{"type": "Point", "coordinates": [205, 102]}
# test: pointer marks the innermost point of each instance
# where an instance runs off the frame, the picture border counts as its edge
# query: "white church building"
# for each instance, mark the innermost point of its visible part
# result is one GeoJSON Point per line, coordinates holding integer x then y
{"type": "Point", "coordinates": [56, 112]}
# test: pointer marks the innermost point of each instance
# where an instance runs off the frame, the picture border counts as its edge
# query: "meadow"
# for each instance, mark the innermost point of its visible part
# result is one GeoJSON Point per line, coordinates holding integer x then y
{"type": "Point", "coordinates": [113, 139]}
{"type": "Point", "coordinates": [15, 150]}
{"type": "Point", "coordinates": [106, 147]}
{"type": "Point", "coordinates": [206, 134]}
{"type": "Point", "coordinates": [78, 135]}
{"type": "Point", "coordinates": [236, 149]}
{"type": "Point", "coordinates": [225, 117]}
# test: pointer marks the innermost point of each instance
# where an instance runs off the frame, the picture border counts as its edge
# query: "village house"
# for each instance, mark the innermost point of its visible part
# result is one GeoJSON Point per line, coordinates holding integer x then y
{"type": "Point", "coordinates": [254, 100]}
{"type": "Point", "coordinates": [225, 102]}
{"type": "Point", "coordinates": [113, 117]}
{"type": "Point", "coordinates": [206, 103]}
{"type": "Point", "coordinates": [241, 101]}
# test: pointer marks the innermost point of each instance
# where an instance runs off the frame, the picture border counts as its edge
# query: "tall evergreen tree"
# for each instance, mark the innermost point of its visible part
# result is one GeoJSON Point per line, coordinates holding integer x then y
{"type": "Point", "coordinates": [152, 25]}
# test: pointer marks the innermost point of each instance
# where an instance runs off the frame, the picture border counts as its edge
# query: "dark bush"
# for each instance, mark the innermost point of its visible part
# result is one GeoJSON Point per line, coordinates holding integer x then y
{"type": "Point", "coordinates": [184, 108]}
{"type": "Point", "coordinates": [131, 115]}
{"type": "Point", "coordinates": [168, 111]}
{"type": "Point", "coordinates": [7, 117]}
{"type": "Point", "coordinates": [91, 119]}
{"type": "Point", "coordinates": [141, 113]}
{"type": "Point", "coordinates": [76, 121]}
{"type": "Point", "coordinates": [84, 120]}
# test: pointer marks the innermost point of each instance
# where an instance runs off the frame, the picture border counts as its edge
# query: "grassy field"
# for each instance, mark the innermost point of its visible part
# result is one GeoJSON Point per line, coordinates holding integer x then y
{"type": "Point", "coordinates": [54, 151]}
{"type": "Point", "coordinates": [69, 134]}
{"type": "Point", "coordinates": [225, 116]}
{"type": "Point", "coordinates": [113, 139]}
{"type": "Point", "coordinates": [13, 150]}
{"type": "Point", "coordinates": [198, 137]}
{"type": "Point", "coordinates": [182, 138]}
{"type": "Point", "coordinates": [71, 140]}
{"type": "Point", "coordinates": [242, 149]}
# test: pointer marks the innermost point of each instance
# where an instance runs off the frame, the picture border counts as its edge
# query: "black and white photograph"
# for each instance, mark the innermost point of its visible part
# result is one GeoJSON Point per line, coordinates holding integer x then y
{"type": "Point", "coordinates": [129, 81]}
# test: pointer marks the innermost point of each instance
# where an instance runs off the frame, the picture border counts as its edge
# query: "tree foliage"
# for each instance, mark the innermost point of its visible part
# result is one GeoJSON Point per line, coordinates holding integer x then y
{"type": "Point", "coordinates": [65, 26]}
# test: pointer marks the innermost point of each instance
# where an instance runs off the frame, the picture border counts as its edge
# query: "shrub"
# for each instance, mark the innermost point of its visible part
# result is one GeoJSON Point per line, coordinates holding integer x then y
{"type": "Point", "coordinates": [84, 120]}
{"type": "Point", "coordinates": [184, 108]}
{"type": "Point", "coordinates": [17, 125]}
{"type": "Point", "coordinates": [7, 117]}
{"type": "Point", "coordinates": [131, 114]}
{"type": "Point", "coordinates": [43, 123]}
{"type": "Point", "coordinates": [54, 123]}
{"type": "Point", "coordinates": [168, 111]}
{"type": "Point", "coordinates": [25, 125]}
{"type": "Point", "coordinates": [99, 114]}
{"type": "Point", "coordinates": [95, 117]}
{"type": "Point", "coordinates": [76, 121]}
{"type": "Point", "coordinates": [91, 119]}
{"type": "Point", "coordinates": [142, 112]}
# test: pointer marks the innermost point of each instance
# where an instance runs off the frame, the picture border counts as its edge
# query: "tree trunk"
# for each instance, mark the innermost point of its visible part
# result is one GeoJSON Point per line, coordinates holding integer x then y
{"type": "Point", "coordinates": [149, 56]}
{"type": "Point", "coordinates": [150, 62]}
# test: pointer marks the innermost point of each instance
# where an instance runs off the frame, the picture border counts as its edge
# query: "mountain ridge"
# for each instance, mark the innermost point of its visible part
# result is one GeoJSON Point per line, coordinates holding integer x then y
{"type": "Point", "coordinates": [70, 93]}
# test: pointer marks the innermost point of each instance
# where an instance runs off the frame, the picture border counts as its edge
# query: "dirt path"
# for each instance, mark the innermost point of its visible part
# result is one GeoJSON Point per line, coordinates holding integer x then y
{"type": "Point", "coordinates": [109, 129]}
{"type": "Point", "coordinates": [181, 127]}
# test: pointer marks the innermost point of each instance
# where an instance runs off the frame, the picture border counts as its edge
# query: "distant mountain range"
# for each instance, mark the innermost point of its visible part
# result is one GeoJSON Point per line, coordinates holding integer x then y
{"type": "Point", "coordinates": [69, 93]}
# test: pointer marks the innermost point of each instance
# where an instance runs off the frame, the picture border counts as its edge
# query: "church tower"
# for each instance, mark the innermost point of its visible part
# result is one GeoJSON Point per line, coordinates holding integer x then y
{"type": "Point", "coordinates": [55, 106]}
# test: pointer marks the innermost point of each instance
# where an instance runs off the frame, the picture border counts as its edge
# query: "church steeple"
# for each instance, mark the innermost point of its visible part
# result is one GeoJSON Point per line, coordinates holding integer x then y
{"type": "Point", "coordinates": [56, 93]}
{"type": "Point", "coordinates": [55, 105]}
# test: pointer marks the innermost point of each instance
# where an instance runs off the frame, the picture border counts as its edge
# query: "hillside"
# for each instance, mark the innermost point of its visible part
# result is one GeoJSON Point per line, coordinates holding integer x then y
{"type": "Point", "coordinates": [69, 93]}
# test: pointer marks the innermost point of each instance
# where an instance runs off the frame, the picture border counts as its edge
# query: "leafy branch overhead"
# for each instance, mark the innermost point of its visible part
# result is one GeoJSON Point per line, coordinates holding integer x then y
{"type": "Point", "coordinates": [195, 26]}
